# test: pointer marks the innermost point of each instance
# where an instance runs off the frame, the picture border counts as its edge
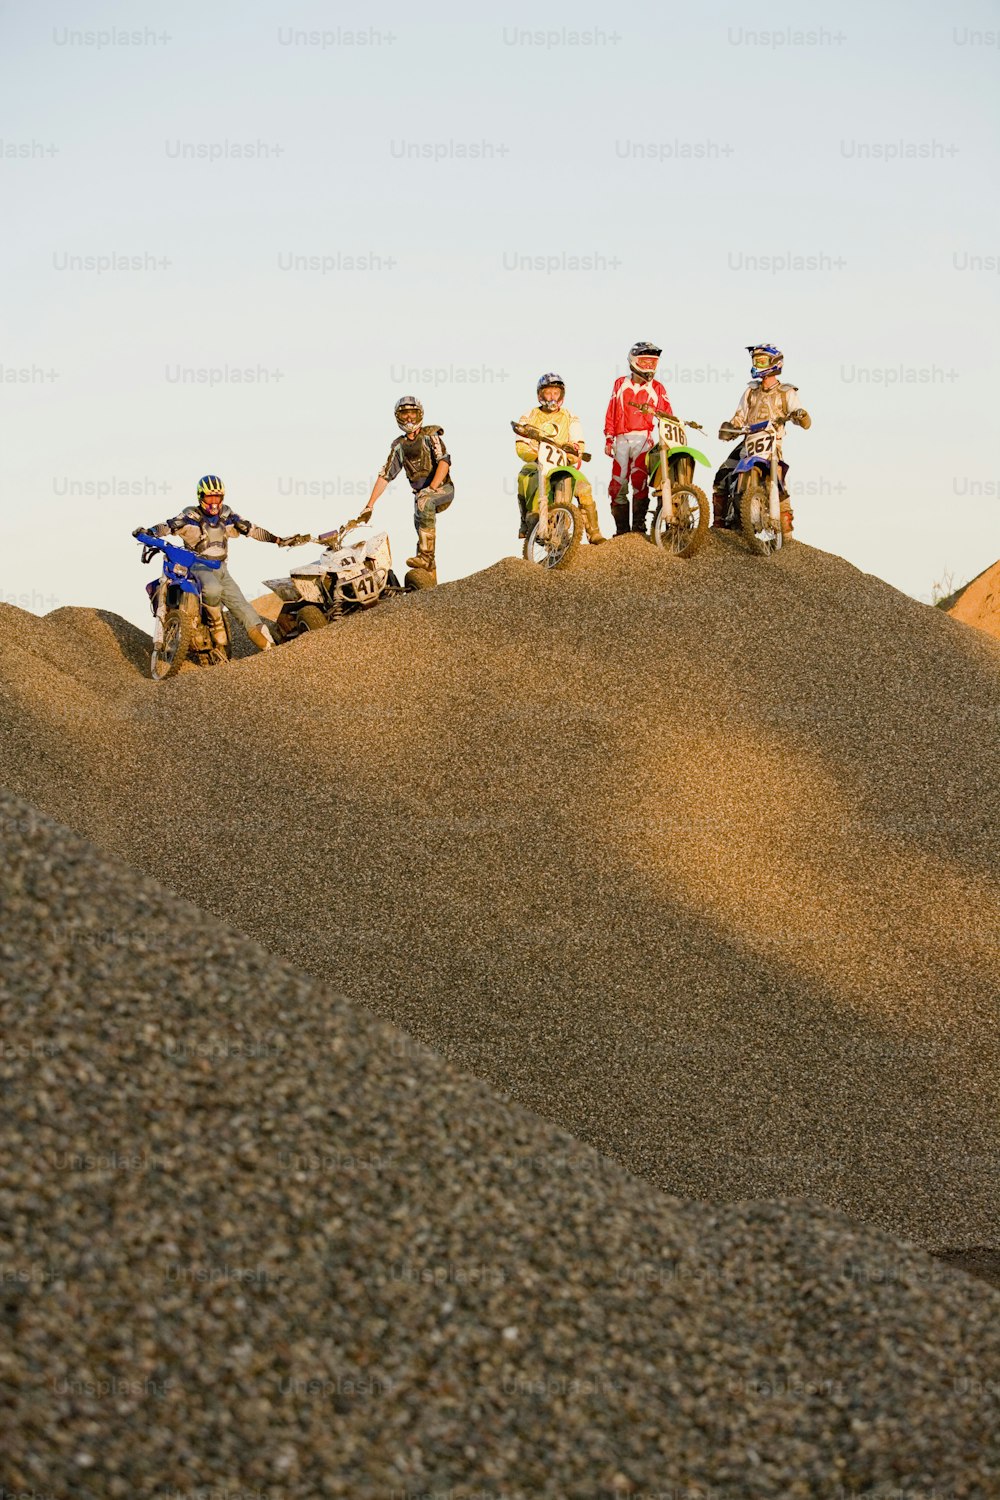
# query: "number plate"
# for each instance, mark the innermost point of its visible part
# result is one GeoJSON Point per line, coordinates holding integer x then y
{"type": "Point", "coordinates": [550, 456]}
{"type": "Point", "coordinates": [671, 432]}
{"type": "Point", "coordinates": [758, 444]}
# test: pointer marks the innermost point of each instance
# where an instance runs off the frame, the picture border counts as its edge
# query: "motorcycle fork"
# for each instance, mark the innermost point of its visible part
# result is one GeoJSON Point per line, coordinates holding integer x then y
{"type": "Point", "coordinates": [543, 504]}
{"type": "Point", "coordinates": [666, 493]}
{"type": "Point", "coordinates": [774, 492]}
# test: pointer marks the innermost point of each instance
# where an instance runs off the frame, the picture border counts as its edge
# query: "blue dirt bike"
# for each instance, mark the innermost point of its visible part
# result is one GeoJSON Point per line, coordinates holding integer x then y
{"type": "Point", "coordinates": [183, 629]}
{"type": "Point", "coordinates": [756, 486]}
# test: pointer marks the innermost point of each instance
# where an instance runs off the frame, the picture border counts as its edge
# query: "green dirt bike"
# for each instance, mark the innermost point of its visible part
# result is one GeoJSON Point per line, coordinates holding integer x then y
{"type": "Point", "coordinates": [681, 518]}
{"type": "Point", "coordinates": [554, 535]}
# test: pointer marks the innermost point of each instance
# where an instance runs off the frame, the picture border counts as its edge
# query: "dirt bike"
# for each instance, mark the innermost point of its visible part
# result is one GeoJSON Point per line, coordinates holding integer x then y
{"type": "Point", "coordinates": [353, 573]}
{"type": "Point", "coordinates": [553, 538]}
{"type": "Point", "coordinates": [680, 520]}
{"type": "Point", "coordinates": [757, 484]}
{"type": "Point", "coordinates": [182, 628]}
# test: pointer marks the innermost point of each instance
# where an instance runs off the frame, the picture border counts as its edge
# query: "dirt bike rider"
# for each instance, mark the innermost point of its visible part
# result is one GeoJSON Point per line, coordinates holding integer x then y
{"type": "Point", "coordinates": [764, 398]}
{"type": "Point", "coordinates": [552, 419]}
{"type": "Point", "coordinates": [628, 435]}
{"type": "Point", "coordinates": [206, 529]}
{"type": "Point", "coordinates": [421, 452]}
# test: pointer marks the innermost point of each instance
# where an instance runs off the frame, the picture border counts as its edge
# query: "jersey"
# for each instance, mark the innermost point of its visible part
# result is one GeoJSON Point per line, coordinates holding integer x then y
{"type": "Point", "coordinates": [627, 395]}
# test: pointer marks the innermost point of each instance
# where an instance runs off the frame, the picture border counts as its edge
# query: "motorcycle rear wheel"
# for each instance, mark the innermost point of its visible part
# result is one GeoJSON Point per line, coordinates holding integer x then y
{"type": "Point", "coordinates": [565, 529]}
{"type": "Point", "coordinates": [687, 532]}
{"type": "Point", "coordinates": [178, 625]}
{"type": "Point", "coordinates": [759, 531]}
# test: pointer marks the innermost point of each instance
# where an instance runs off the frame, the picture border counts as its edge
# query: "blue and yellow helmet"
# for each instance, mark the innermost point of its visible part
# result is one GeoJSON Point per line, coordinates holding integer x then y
{"type": "Point", "coordinates": [765, 359]}
{"type": "Point", "coordinates": [210, 484]}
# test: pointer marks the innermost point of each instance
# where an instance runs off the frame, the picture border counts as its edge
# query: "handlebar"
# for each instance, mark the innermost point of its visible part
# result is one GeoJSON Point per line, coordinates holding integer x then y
{"type": "Point", "coordinates": [177, 555]}
{"type": "Point", "coordinates": [534, 436]}
{"type": "Point", "coordinates": [732, 431]}
{"type": "Point", "coordinates": [326, 537]}
{"type": "Point", "coordinates": [654, 411]}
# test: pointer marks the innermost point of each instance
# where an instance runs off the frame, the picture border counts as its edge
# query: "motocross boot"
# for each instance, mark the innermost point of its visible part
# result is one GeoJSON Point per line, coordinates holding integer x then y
{"type": "Point", "coordinates": [718, 511]}
{"type": "Point", "coordinates": [786, 521]}
{"type": "Point", "coordinates": [261, 636]}
{"type": "Point", "coordinates": [639, 509]}
{"type": "Point", "coordinates": [424, 558]}
{"type": "Point", "coordinates": [217, 627]}
{"type": "Point", "coordinates": [619, 514]}
{"type": "Point", "coordinates": [523, 528]}
{"type": "Point", "coordinates": [590, 521]}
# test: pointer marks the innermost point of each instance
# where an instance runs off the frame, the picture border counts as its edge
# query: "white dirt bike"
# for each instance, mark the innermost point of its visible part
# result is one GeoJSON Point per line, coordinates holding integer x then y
{"type": "Point", "coordinates": [554, 534]}
{"type": "Point", "coordinates": [354, 572]}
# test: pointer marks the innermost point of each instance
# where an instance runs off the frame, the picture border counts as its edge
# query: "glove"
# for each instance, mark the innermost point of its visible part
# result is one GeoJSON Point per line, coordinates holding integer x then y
{"type": "Point", "coordinates": [800, 417]}
{"type": "Point", "coordinates": [727, 432]}
{"type": "Point", "coordinates": [292, 541]}
{"type": "Point", "coordinates": [609, 446]}
{"type": "Point", "coordinates": [365, 516]}
{"type": "Point", "coordinates": [140, 531]}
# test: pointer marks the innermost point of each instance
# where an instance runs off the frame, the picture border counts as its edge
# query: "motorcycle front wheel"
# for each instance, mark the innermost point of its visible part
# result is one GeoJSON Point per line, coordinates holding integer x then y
{"type": "Point", "coordinates": [178, 624]}
{"type": "Point", "coordinates": [686, 533]}
{"type": "Point", "coordinates": [565, 527]}
{"type": "Point", "coordinates": [760, 533]}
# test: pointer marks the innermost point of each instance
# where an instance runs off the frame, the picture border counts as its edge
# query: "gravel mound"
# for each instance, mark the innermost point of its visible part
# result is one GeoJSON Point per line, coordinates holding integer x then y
{"type": "Point", "coordinates": [978, 603]}
{"type": "Point", "coordinates": [259, 1243]}
{"type": "Point", "coordinates": [696, 860]}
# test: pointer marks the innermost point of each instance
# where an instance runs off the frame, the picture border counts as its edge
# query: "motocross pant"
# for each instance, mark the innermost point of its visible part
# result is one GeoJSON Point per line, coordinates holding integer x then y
{"type": "Point", "coordinates": [219, 587]}
{"type": "Point", "coordinates": [629, 467]}
{"type": "Point", "coordinates": [427, 503]}
{"type": "Point", "coordinates": [720, 486]}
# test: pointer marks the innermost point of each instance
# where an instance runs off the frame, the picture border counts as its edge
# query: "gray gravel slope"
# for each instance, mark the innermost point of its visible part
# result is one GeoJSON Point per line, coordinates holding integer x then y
{"type": "Point", "coordinates": [257, 1242]}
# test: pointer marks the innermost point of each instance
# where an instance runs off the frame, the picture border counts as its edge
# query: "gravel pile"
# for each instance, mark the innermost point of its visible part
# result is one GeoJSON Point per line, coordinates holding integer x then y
{"type": "Point", "coordinates": [978, 603]}
{"type": "Point", "coordinates": [696, 860]}
{"type": "Point", "coordinates": [257, 1243]}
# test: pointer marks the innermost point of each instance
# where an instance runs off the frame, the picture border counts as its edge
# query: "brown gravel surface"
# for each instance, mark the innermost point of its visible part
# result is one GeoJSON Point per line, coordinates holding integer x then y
{"type": "Point", "coordinates": [257, 1243]}
{"type": "Point", "coordinates": [697, 860]}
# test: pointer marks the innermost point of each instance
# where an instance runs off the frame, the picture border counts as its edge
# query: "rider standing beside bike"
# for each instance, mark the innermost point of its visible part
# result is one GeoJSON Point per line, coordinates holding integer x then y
{"type": "Point", "coordinates": [764, 399]}
{"type": "Point", "coordinates": [552, 419]}
{"type": "Point", "coordinates": [206, 529]}
{"type": "Point", "coordinates": [422, 454]}
{"type": "Point", "coordinates": [628, 435]}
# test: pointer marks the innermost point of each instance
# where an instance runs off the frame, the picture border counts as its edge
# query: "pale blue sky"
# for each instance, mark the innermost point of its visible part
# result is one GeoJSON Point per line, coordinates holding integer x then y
{"type": "Point", "coordinates": [758, 141]}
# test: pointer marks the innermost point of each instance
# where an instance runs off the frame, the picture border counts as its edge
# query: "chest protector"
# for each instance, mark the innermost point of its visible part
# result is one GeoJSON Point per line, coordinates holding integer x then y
{"type": "Point", "coordinates": [765, 405]}
{"type": "Point", "coordinates": [419, 462]}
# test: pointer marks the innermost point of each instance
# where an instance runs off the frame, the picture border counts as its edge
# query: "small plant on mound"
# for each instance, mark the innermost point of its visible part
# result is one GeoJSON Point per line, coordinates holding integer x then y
{"type": "Point", "coordinates": [943, 590]}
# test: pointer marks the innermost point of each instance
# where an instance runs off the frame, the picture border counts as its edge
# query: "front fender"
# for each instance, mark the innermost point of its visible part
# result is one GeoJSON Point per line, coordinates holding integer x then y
{"type": "Point", "coordinates": [527, 481]}
{"type": "Point", "coordinates": [653, 457]}
{"type": "Point", "coordinates": [764, 465]}
{"type": "Point", "coordinates": [691, 453]}
{"type": "Point", "coordinates": [746, 464]}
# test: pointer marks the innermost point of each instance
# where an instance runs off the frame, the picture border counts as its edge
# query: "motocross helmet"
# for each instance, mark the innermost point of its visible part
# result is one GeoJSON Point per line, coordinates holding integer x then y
{"type": "Point", "coordinates": [409, 414]}
{"type": "Point", "coordinates": [550, 378]}
{"type": "Point", "coordinates": [210, 493]}
{"type": "Point", "coordinates": [765, 359]}
{"type": "Point", "coordinates": [642, 358]}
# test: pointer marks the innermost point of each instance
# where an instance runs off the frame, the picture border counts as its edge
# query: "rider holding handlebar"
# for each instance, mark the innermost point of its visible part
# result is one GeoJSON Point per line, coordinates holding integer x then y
{"type": "Point", "coordinates": [552, 419]}
{"type": "Point", "coordinates": [628, 434]}
{"type": "Point", "coordinates": [765, 399]}
{"type": "Point", "coordinates": [206, 528]}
